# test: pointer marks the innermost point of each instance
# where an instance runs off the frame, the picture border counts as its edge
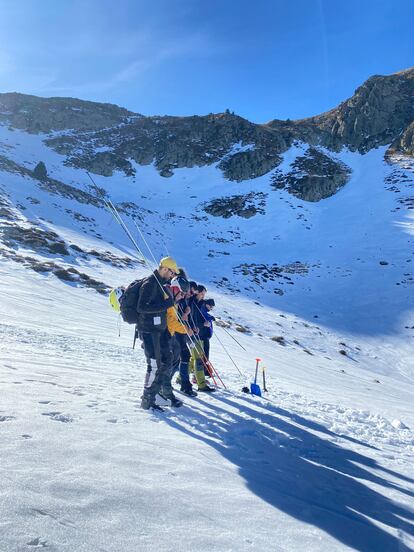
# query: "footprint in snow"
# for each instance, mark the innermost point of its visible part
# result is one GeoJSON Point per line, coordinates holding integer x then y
{"type": "Point", "coordinates": [58, 417]}
{"type": "Point", "coordinates": [75, 392]}
{"type": "Point", "coordinates": [7, 418]}
{"type": "Point", "coordinates": [38, 542]}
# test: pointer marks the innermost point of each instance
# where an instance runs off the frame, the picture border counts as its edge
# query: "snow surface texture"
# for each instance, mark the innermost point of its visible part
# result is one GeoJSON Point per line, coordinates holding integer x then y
{"type": "Point", "coordinates": [323, 462]}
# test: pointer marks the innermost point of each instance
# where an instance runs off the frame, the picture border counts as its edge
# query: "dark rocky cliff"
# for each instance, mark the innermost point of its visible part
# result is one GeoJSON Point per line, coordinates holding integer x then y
{"type": "Point", "coordinates": [103, 138]}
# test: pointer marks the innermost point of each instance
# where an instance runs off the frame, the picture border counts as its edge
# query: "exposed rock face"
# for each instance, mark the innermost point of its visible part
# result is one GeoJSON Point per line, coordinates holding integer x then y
{"type": "Point", "coordinates": [376, 114]}
{"type": "Point", "coordinates": [51, 185]}
{"type": "Point", "coordinates": [33, 238]}
{"type": "Point", "coordinates": [6, 209]}
{"type": "Point", "coordinates": [404, 143]}
{"type": "Point", "coordinates": [245, 206]}
{"type": "Point", "coordinates": [314, 176]}
{"type": "Point", "coordinates": [40, 171]}
{"type": "Point", "coordinates": [34, 114]}
{"type": "Point", "coordinates": [261, 274]}
{"type": "Point", "coordinates": [176, 142]}
{"type": "Point", "coordinates": [249, 164]}
{"type": "Point", "coordinates": [103, 163]}
{"type": "Point", "coordinates": [64, 273]}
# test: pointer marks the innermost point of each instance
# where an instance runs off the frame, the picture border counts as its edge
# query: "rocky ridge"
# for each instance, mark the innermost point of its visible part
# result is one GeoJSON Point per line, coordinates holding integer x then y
{"type": "Point", "coordinates": [378, 112]}
{"type": "Point", "coordinates": [104, 138]}
{"type": "Point", "coordinates": [44, 115]}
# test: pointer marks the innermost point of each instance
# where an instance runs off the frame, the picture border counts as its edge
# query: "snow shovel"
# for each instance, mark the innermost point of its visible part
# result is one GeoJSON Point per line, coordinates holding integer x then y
{"type": "Point", "coordinates": [255, 387]}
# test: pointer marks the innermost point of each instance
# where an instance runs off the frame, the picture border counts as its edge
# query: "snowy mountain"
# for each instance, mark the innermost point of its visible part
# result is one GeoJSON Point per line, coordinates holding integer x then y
{"type": "Point", "coordinates": [303, 233]}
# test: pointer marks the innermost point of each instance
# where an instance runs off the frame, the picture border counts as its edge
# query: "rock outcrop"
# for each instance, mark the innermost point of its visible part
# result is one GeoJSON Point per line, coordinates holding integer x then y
{"type": "Point", "coordinates": [404, 144]}
{"type": "Point", "coordinates": [35, 115]}
{"type": "Point", "coordinates": [177, 142]}
{"type": "Point", "coordinates": [245, 206]}
{"type": "Point", "coordinates": [375, 115]}
{"type": "Point", "coordinates": [313, 176]}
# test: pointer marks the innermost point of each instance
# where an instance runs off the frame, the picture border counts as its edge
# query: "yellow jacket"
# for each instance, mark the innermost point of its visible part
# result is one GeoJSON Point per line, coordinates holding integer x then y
{"type": "Point", "coordinates": [173, 324]}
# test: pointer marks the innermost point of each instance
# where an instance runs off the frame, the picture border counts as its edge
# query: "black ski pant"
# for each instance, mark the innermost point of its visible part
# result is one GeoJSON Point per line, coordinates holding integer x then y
{"type": "Point", "coordinates": [159, 358]}
{"type": "Point", "coordinates": [206, 344]}
{"type": "Point", "coordinates": [185, 354]}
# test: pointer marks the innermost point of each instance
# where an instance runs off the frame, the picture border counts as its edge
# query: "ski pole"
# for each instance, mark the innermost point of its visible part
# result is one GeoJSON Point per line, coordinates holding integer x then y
{"type": "Point", "coordinates": [210, 370]}
{"type": "Point", "coordinates": [264, 378]}
{"type": "Point", "coordinates": [135, 336]}
{"type": "Point", "coordinates": [228, 354]}
{"type": "Point", "coordinates": [232, 336]}
{"type": "Point", "coordinates": [217, 374]}
{"type": "Point", "coordinates": [205, 360]}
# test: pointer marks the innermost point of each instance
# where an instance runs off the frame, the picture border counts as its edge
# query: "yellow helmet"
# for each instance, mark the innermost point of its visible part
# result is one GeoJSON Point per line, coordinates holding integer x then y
{"type": "Point", "coordinates": [169, 262]}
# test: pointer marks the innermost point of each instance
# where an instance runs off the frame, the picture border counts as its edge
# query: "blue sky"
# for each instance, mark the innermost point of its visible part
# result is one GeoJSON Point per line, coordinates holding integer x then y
{"type": "Point", "coordinates": [263, 59]}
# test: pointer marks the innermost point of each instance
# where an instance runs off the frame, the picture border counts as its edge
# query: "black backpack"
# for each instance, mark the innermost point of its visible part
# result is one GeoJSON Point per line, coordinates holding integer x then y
{"type": "Point", "coordinates": [129, 301]}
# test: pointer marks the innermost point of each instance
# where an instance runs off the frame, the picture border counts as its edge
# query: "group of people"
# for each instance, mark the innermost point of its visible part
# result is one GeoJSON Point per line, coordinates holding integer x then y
{"type": "Point", "coordinates": [175, 324]}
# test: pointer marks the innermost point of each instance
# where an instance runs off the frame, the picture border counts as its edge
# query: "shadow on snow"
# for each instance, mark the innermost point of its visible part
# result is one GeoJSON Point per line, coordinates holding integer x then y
{"type": "Point", "coordinates": [309, 477]}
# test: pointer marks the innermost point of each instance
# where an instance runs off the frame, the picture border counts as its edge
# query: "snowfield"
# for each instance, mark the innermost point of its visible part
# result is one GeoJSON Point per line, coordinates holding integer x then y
{"type": "Point", "coordinates": [324, 461]}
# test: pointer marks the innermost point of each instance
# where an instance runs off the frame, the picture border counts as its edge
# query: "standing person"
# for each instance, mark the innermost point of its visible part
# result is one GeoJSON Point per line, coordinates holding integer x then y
{"type": "Point", "coordinates": [153, 302]}
{"type": "Point", "coordinates": [184, 340]}
{"type": "Point", "coordinates": [195, 302]}
{"type": "Point", "coordinates": [184, 307]}
{"type": "Point", "coordinates": [206, 333]}
{"type": "Point", "coordinates": [197, 360]}
{"type": "Point", "coordinates": [180, 334]}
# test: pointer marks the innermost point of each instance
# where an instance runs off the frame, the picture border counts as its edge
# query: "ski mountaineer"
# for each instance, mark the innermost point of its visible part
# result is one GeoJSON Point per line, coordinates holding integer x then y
{"type": "Point", "coordinates": [153, 302]}
{"type": "Point", "coordinates": [180, 336]}
{"type": "Point", "coordinates": [206, 332]}
{"type": "Point", "coordinates": [197, 362]}
{"type": "Point", "coordinates": [184, 310]}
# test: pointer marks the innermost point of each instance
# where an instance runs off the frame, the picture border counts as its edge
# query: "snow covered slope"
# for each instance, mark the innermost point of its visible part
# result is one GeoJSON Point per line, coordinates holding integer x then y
{"type": "Point", "coordinates": [322, 292]}
{"type": "Point", "coordinates": [323, 462]}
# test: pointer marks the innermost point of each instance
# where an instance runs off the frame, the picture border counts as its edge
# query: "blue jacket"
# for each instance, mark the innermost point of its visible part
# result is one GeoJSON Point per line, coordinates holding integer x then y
{"type": "Point", "coordinates": [206, 332]}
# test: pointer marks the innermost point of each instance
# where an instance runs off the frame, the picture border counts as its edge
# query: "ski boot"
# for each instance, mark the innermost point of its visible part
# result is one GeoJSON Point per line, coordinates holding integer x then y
{"type": "Point", "coordinates": [176, 403]}
{"type": "Point", "coordinates": [206, 389]}
{"type": "Point", "coordinates": [188, 390]}
{"type": "Point", "coordinates": [153, 406]}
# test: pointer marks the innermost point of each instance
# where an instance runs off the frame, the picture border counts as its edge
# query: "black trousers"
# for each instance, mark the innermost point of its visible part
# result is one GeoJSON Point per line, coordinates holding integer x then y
{"type": "Point", "coordinates": [159, 360]}
{"type": "Point", "coordinates": [182, 340]}
{"type": "Point", "coordinates": [185, 355]}
{"type": "Point", "coordinates": [206, 343]}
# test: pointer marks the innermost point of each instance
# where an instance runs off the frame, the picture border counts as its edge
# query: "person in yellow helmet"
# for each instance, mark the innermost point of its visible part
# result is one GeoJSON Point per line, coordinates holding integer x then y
{"type": "Point", "coordinates": [153, 303]}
